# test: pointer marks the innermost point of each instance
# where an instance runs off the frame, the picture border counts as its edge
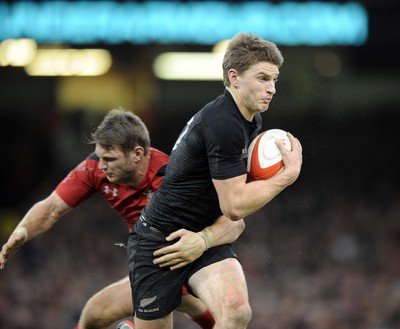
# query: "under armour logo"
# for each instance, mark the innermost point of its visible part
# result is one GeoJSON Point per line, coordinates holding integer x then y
{"type": "Point", "coordinates": [113, 191]}
{"type": "Point", "coordinates": [148, 194]}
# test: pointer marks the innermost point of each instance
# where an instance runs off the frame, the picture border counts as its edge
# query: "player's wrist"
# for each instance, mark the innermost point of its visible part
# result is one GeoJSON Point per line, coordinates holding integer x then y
{"type": "Point", "coordinates": [208, 238]}
{"type": "Point", "coordinates": [21, 230]}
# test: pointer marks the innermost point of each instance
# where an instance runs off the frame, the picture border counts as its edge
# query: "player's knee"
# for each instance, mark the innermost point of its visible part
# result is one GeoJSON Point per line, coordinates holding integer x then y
{"type": "Point", "coordinates": [242, 315]}
{"type": "Point", "coordinates": [93, 315]}
{"type": "Point", "coordinates": [237, 315]}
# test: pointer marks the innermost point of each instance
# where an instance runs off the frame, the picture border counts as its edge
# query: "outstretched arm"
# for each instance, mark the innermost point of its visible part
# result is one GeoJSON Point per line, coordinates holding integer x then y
{"type": "Point", "coordinates": [191, 245]}
{"type": "Point", "coordinates": [37, 220]}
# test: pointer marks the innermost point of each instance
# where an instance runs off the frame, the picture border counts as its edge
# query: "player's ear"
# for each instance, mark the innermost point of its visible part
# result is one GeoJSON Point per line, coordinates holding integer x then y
{"type": "Point", "coordinates": [137, 153]}
{"type": "Point", "coordinates": [233, 77]}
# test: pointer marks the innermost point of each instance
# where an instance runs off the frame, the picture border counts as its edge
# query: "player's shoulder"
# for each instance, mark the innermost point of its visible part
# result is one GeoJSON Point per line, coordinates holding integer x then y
{"type": "Point", "coordinates": [210, 107]}
{"type": "Point", "coordinates": [158, 156]}
{"type": "Point", "coordinates": [222, 108]}
{"type": "Point", "coordinates": [89, 165]}
{"type": "Point", "coordinates": [93, 156]}
{"type": "Point", "coordinates": [158, 162]}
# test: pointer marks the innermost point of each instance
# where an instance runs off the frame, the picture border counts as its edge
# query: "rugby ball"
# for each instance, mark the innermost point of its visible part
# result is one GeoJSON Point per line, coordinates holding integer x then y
{"type": "Point", "coordinates": [264, 159]}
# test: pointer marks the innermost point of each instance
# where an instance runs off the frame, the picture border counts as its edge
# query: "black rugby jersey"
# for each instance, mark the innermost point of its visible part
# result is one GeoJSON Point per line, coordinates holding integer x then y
{"type": "Point", "coordinates": [213, 145]}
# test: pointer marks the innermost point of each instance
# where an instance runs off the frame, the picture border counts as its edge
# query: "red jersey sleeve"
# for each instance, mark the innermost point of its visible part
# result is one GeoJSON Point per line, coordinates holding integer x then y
{"type": "Point", "coordinates": [79, 184]}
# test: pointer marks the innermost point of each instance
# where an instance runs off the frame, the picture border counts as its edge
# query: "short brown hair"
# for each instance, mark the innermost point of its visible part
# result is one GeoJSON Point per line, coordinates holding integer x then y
{"type": "Point", "coordinates": [245, 50]}
{"type": "Point", "coordinates": [122, 129]}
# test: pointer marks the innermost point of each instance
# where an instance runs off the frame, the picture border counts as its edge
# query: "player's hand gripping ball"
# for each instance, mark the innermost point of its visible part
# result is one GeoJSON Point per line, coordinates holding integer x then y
{"type": "Point", "coordinates": [264, 157]}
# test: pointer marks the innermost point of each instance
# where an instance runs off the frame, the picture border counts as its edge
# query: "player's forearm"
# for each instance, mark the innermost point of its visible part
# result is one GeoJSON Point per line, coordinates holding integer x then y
{"type": "Point", "coordinates": [259, 193]}
{"type": "Point", "coordinates": [239, 198]}
{"type": "Point", "coordinates": [36, 221]}
{"type": "Point", "coordinates": [223, 231]}
{"type": "Point", "coordinates": [42, 216]}
{"type": "Point", "coordinates": [190, 245]}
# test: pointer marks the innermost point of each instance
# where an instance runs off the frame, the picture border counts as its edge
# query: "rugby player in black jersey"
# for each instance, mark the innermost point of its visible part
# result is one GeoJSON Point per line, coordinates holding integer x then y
{"type": "Point", "coordinates": [205, 178]}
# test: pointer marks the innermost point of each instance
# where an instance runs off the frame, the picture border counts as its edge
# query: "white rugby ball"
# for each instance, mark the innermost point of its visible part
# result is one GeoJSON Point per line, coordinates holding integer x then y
{"type": "Point", "coordinates": [264, 157]}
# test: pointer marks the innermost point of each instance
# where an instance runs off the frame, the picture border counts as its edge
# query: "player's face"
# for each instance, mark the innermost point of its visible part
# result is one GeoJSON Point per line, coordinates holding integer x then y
{"type": "Point", "coordinates": [118, 167]}
{"type": "Point", "coordinates": [256, 87]}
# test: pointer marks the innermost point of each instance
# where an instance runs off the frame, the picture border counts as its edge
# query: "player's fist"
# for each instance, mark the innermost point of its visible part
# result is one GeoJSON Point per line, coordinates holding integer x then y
{"type": "Point", "coordinates": [16, 240]}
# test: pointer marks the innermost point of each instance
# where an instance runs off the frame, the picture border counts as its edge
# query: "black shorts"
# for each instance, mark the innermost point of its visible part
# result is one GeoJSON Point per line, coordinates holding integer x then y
{"type": "Point", "coordinates": [157, 291]}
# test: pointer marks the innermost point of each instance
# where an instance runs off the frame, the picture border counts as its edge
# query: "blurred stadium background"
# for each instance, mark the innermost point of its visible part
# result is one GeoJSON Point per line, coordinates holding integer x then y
{"type": "Point", "coordinates": [323, 255]}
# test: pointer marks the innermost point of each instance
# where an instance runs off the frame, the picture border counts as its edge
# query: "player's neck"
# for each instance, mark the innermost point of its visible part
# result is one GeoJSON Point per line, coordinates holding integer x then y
{"type": "Point", "coordinates": [240, 104]}
{"type": "Point", "coordinates": [140, 171]}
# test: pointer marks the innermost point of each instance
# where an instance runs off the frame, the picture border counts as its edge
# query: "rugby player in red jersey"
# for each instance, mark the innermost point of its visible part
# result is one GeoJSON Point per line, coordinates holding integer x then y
{"type": "Point", "coordinates": [125, 171]}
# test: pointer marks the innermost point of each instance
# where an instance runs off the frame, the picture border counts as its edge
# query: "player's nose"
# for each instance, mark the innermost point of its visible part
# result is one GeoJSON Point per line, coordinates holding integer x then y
{"type": "Point", "coordinates": [102, 164]}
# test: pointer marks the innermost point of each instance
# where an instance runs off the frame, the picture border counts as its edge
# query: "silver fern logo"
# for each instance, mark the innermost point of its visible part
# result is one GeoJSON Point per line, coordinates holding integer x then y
{"type": "Point", "coordinates": [147, 301]}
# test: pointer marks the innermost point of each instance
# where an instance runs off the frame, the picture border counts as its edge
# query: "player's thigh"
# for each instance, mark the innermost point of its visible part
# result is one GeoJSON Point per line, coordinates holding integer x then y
{"type": "Point", "coordinates": [191, 305]}
{"type": "Point", "coordinates": [165, 322]}
{"type": "Point", "coordinates": [220, 284]}
{"type": "Point", "coordinates": [117, 297]}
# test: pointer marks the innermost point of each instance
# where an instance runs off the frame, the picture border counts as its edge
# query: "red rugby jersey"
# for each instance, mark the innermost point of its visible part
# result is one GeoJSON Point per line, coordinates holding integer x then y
{"type": "Point", "coordinates": [86, 179]}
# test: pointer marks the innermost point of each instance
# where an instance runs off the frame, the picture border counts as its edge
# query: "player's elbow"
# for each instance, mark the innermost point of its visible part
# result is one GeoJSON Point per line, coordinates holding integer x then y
{"type": "Point", "coordinates": [232, 213]}
{"type": "Point", "coordinates": [232, 205]}
{"type": "Point", "coordinates": [240, 226]}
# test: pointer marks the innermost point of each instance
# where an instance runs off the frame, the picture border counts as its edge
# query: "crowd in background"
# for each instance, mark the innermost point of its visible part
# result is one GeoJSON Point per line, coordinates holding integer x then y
{"type": "Point", "coordinates": [323, 255]}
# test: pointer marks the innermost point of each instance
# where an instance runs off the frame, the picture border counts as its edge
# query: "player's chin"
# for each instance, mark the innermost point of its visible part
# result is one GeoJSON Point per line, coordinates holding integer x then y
{"type": "Point", "coordinates": [264, 108]}
{"type": "Point", "coordinates": [111, 178]}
